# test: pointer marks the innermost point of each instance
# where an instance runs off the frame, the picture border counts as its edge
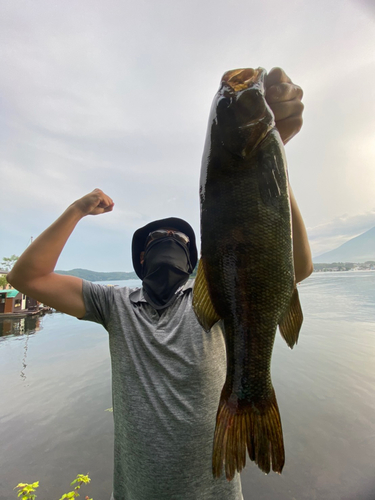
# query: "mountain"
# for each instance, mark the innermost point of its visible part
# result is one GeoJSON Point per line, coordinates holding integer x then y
{"type": "Point", "coordinates": [358, 249]}
{"type": "Point", "coordinates": [96, 276]}
{"type": "Point", "coordinates": [115, 275]}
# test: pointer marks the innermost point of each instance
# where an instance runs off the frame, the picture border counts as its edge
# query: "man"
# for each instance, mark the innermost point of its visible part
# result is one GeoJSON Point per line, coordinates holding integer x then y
{"type": "Point", "coordinates": [167, 372]}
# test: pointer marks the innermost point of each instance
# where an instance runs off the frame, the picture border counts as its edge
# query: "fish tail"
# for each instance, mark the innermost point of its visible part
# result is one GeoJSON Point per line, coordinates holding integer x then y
{"type": "Point", "coordinates": [255, 427]}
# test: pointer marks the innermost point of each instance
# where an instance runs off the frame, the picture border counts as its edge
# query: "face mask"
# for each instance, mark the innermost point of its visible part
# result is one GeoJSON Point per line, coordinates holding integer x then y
{"type": "Point", "coordinates": [166, 269]}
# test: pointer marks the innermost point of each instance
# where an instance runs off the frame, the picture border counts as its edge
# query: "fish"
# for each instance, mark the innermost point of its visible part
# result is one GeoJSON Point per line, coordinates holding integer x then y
{"type": "Point", "coordinates": [245, 276]}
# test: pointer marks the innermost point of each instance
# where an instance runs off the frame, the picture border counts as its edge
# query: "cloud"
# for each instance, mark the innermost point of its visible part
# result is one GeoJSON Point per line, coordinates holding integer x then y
{"type": "Point", "coordinates": [366, 4]}
{"type": "Point", "coordinates": [117, 96]}
{"type": "Point", "coordinates": [330, 235]}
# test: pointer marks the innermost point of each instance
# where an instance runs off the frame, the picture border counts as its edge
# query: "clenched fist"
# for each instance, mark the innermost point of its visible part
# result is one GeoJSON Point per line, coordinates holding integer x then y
{"type": "Point", "coordinates": [94, 203]}
{"type": "Point", "coordinates": [285, 100]}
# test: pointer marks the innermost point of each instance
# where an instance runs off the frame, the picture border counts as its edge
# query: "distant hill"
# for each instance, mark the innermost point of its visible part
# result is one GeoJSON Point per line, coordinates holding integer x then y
{"type": "Point", "coordinates": [358, 249]}
{"type": "Point", "coordinates": [96, 276]}
{"type": "Point", "coordinates": [114, 276]}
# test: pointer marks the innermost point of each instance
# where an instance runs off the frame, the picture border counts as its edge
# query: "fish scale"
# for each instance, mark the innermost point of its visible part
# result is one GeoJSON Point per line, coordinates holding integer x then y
{"type": "Point", "coordinates": [245, 274]}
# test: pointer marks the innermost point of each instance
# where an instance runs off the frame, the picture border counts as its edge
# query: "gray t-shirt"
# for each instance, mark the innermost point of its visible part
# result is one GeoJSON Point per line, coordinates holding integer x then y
{"type": "Point", "coordinates": [167, 375]}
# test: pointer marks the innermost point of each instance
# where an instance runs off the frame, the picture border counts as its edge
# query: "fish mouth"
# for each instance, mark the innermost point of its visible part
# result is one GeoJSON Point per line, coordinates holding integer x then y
{"type": "Point", "coordinates": [243, 78]}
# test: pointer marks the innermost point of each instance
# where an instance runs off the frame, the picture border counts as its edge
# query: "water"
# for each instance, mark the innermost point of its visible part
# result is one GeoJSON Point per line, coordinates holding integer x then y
{"type": "Point", "coordinates": [56, 388]}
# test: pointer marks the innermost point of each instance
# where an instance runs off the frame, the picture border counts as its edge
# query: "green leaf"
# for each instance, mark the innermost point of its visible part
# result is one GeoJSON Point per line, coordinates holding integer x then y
{"type": "Point", "coordinates": [71, 494]}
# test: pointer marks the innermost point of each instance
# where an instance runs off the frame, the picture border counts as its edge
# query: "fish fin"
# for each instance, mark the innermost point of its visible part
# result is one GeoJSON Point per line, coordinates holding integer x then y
{"type": "Point", "coordinates": [256, 428]}
{"type": "Point", "coordinates": [202, 304]}
{"type": "Point", "coordinates": [291, 323]}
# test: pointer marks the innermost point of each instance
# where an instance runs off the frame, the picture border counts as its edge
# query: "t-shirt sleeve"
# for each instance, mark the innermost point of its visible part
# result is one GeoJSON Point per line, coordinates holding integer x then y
{"type": "Point", "coordinates": [98, 300]}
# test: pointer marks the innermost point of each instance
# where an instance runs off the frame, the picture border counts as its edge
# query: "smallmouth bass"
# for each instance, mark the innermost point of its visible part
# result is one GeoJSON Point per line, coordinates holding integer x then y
{"type": "Point", "coordinates": [246, 272]}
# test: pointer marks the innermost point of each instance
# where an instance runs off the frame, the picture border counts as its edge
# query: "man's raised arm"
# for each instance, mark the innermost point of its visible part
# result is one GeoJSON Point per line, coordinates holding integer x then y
{"type": "Point", "coordinates": [33, 273]}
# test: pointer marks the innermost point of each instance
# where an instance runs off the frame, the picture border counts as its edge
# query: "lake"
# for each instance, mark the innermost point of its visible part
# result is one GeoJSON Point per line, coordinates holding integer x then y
{"type": "Point", "coordinates": [56, 389]}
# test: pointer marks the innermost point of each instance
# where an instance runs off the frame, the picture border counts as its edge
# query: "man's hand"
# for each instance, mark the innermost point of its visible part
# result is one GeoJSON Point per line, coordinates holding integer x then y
{"type": "Point", "coordinates": [94, 203]}
{"type": "Point", "coordinates": [284, 98]}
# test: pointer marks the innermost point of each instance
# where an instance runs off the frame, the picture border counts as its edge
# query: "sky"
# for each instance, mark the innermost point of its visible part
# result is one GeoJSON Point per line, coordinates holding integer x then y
{"type": "Point", "coordinates": [116, 95]}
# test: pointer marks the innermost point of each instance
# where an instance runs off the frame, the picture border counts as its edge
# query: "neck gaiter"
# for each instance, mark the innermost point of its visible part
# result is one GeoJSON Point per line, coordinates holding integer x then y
{"type": "Point", "coordinates": [166, 268]}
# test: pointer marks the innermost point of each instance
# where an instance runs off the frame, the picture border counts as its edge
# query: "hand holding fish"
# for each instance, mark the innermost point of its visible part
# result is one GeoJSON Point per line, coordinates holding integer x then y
{"type": "Point", "coordinates": [285, 100]}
